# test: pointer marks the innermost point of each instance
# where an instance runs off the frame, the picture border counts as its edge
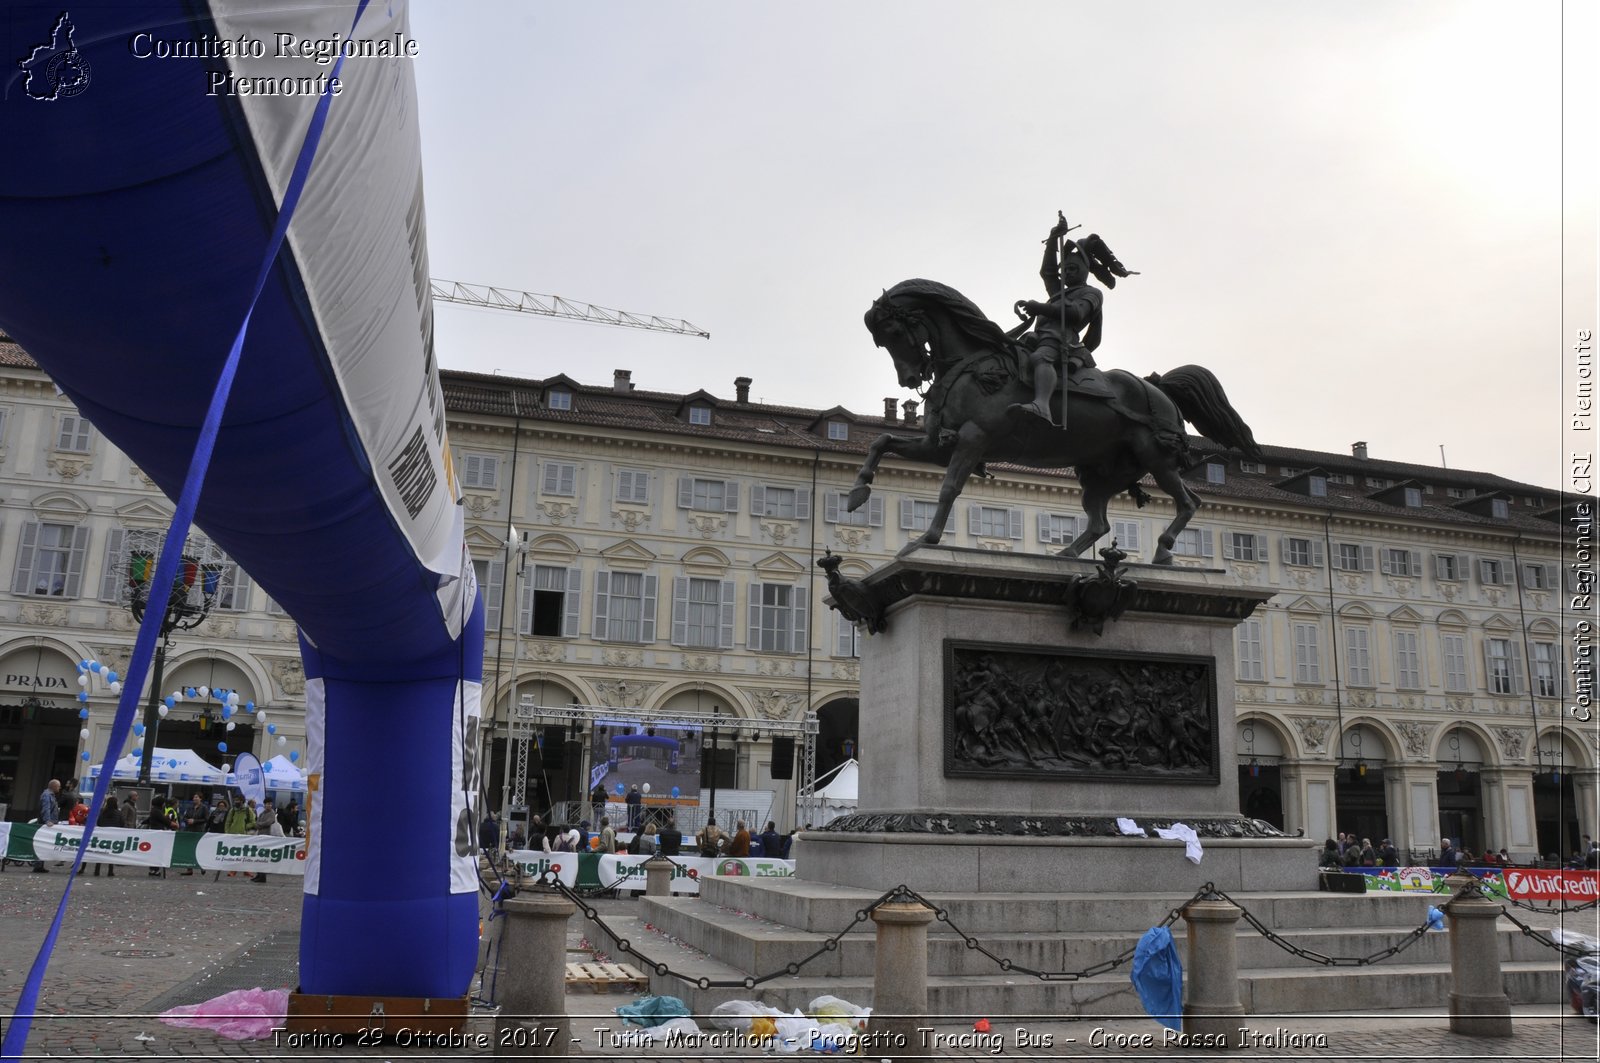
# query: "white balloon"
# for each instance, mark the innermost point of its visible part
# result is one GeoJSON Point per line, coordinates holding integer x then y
{"type": "Point", "coordinates": [230, 725]}
{"type": "Point", "coordinates": [233, 697]}
{"type": "Point", "coordinates": [261, 717]}
{"type": "Point", "coordinates": [83, 681]}
{"type": "Point", "coordinates": [83, 733]}
{"type": "Point", "coordinates": [177, 695]}
{"type": "Point", "coordinates": [161, 710]}
{"type": "Point", "coordinates": [204, 692]}
{"type": "Point", "coordinates": [645, 787]}
{"type": "Point", "coordinates": [116, 688]}
{"type": "Point", "coordinates": [282, 741]}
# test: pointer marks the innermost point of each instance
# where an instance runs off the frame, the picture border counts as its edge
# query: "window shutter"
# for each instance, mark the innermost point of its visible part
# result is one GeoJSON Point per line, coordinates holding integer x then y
{"type": "Point", "coordinates": [949, 520]}
{"type": "Point", "coordinates": [493, 576]}
{"type": "Point", "coordinates": [1227, 545]}
{"type": "Point", "coordinates": [844, 640]}
{"type": "Point", "coordinates": [1316, 553]}
{"type": "Point", "coordinates": [1507, 575]}
{"type": "Point", "coordinates": [1044, 528]}
{"type": "Point", "coordinates": [1483, 571]}
{"type": "Point", "coordinates": [602, 602]}
{"type": "Point", "coordinates": [726, 616]}
{"type": "Point", "coordinates": [573, 603]}
{"type": "Point", "coordinates": [753, 635]}
{"type": "Point", "coordinates": [569, 479]}
{"type": "Point", "coordinates": [80, 547]}
{"type": "Point", "coordinates": [647, 621]}
{"type": "Point", "coordinates": [22, 579]}
{"type": "Point", "coordinates": [1519, 683]}
{"type": "Point", "coordinates": [802, 506]}
{"type": "Point", "coordinates": [685, 492]}
{"type": "Point", "coordinates": [875, 511]}
{"type": "Point", "coordinates": [1366, 559]}
{"type": "Point", "coordinates": [524, 605]}
{"type": "Point", "coordinates": [1207, 547]}
{"type": "Point", "coordinates": [1014, 519]}
{"type": "Point", "coordinates": [830, 507]}
{"type": "Point", "coordinates": [799, 644]}
{"type": "Point", "coordinates": [552, 478]}
{"type": "Point", "coordinates": [111, 581]}
{"type": "Point", "coordinates": [680, 610]}
{"type": "Point", "coordinates": [1386, 562]}
{"type": "Point", "coordinates": [1283, 549]}
{"type": "Point", "coordinates": [906, 506]}
{"type": "Point", "coordinates": [1414, 562]}
{"type": "Point", "coordinates": [730, 496]}
{"type": "Point", "coordinates": [758, 500]}
{"type": "Point", "coordinates": [1550, 576]}
{"type": "Point", "coordinates": [1261, 548]}
{"type": "Point", "coordinates": [241, 590]}
{"type": "Point", "coordinates": [974, 520]}
{"type": "Point", "coordinates": [1438, 567]}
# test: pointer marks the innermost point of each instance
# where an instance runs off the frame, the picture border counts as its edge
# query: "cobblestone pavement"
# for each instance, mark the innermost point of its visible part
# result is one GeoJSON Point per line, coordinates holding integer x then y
{"type": "Point", "coordinates": [133, 945]}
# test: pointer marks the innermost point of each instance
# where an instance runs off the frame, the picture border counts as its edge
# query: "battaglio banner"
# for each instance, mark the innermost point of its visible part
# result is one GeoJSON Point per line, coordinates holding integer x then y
{"type": "Point", "coordinates": [157, 848]}
{"type": "Point", "coordinates": [627, 873]}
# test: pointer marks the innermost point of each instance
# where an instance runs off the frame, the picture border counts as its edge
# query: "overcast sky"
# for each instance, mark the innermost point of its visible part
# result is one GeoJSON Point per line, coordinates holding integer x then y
{"type": "Point", "coordinates": [1351, 212]}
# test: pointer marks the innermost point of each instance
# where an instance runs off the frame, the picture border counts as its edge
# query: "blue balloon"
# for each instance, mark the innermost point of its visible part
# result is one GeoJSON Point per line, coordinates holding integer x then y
{"type": "Point", "coordinates": [226, 712]}
{"type": "Point", "coordinates": [674, 791]}
{"type": "Point", "coordinates": [84, 755]}
{"type": "Point", "coordinates": [83, 714]}
{"type": "Point", "coordinates": [169, 701]}
{"type": "Point", "coordinates": [620, 788]}
{"type": "Point", "coordinates": [111, 677]}
{"type": "Point", "coordinates": [94, 667]}
{"type": "Point", "coordinates": [136, 753]}
{"type": "Point", "coordinates": [249, 706]}
{"type": "Point", "coordinates": [294, 755]}
{"type": "Point", "coordinates": [188, 692]}
{"type": "Point", "coordinates": [220, 745]}
{"type": "Point", "coordinates": [272, 728]}
{"type": "Point", "coordinates": [83, 695]}
{"type": "Point", "coordinates": [138, 730]}
{"type": "Point", "coordinates": [83, 666]}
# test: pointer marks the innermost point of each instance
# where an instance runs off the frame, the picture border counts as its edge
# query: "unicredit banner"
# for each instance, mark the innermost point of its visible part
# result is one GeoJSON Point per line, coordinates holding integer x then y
{"type": "Point", "coordinates": [1574, 887]}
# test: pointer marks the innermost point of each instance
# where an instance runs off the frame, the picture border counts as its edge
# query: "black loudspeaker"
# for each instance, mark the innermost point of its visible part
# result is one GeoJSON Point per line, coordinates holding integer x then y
{"type": "Point", "coordinates": [1340, 882]}
{"type": "Point", "coordinates": [553, 748]}
{"type": "Point", "coordinates": [783, 758]}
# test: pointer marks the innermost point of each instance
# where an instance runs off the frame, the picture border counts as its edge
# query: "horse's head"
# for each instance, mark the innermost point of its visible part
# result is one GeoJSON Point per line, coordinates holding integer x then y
{"type": "Point", "coordinates": [901, 330]}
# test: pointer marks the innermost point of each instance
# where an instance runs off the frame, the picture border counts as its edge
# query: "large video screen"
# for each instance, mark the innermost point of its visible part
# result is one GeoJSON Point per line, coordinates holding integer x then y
{"type": "Point", "coordinates": [664, 757]}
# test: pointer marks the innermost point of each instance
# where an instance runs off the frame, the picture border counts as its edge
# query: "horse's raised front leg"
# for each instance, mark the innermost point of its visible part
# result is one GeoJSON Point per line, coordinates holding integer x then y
{"type": "Point", "coordinates": [923, 449]}
{"type": "Point", "coordinates": [972, 443]}
{"type": "Point", "coordinates": [1096, 497]}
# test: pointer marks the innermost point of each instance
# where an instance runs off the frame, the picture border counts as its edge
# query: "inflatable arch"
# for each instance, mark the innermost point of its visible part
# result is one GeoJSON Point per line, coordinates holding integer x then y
{"type": "Point", "coordinates": [629, 741]}
{"type": "Point", "coordinates": [135, 220]}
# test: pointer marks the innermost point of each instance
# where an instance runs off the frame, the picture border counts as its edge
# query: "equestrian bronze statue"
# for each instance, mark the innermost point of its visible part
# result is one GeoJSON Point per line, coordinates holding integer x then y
{"type": "Point", "coordinates": [980, 404]}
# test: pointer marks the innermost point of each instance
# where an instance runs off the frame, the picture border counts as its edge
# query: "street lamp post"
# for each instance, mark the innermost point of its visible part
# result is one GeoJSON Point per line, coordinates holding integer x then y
{"type": "Point", "coordinates": [194, 592]}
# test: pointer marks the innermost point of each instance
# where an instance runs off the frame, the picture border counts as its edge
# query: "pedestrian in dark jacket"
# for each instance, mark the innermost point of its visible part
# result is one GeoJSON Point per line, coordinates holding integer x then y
{"type": "Point", "coordinates": [110, 816]}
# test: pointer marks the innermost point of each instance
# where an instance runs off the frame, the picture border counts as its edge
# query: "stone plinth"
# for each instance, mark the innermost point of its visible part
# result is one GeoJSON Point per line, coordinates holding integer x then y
{"type": "Point", "coordinates": [934, 814]}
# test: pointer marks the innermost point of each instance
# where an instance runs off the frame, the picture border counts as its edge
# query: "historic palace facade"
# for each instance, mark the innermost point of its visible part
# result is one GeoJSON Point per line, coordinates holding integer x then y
{"type": "Point", "coordinates": [657, 550]}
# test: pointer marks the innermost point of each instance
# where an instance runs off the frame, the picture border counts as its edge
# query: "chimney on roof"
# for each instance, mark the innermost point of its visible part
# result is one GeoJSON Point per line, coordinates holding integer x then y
{"type": "Point", "coordinates": [889, 409]}
{"type": "Point", "coordinates": [622, 381]}
{"type": "Point", "coordinates": [1359, 449]}
{"type": "Point", "coordinates": [741, 389]}
{"type": "Point", "coordinates": [910, 406]}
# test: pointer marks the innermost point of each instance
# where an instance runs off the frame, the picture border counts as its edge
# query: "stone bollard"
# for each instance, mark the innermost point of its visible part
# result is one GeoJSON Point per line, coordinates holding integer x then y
{"type": "Point", "coordinates": [1212, 1014]}
{"type": "Point", "coordinates": [533, 1005]}
{"type": "Point", "coordinates": [1479, 1006]}
{"type": "Point", "coordinates": [899, 979]}
{"type": "Point", "coordinates": [658, 876]}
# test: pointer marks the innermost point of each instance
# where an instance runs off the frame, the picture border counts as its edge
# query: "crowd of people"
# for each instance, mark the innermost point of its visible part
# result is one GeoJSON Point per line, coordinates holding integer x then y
{"type": "Point", "coordinates": [1349, 851]}
{"type": "Point", "coordinates": [68, 804]}
{"type": "Point", "coordinates": [667, 838]}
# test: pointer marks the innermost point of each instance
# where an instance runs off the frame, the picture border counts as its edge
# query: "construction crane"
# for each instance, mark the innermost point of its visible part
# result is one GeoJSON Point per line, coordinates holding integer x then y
{"type": "Point", "coordinates": [492, 298]}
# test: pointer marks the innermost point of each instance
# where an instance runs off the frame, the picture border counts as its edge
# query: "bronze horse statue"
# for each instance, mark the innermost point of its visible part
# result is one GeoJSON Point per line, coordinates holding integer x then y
{"type": "Point", "coordinates": [977, 372]}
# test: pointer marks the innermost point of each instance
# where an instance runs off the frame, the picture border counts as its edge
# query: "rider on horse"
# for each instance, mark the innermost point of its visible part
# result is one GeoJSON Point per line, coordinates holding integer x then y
{"type": "Point", "coordinates": [1073, 307]}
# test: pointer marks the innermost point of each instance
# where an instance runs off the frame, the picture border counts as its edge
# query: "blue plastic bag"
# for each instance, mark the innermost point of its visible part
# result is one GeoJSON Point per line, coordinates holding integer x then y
{"type": "Point", "coordinates": [1158, 977]}
{"type": "Point", "coordinates": [652, 1011]}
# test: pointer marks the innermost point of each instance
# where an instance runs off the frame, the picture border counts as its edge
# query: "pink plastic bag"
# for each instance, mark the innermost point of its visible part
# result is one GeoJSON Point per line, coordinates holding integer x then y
{"type": "Point", "coordinates": [242, 1015]}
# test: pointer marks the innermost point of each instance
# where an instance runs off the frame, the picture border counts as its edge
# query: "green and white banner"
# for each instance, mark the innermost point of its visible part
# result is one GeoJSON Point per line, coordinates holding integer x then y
{"type": "Point", "coordinates": [157, 848]}
{"type": "Point", "coordinates": [250, 852]}
{"type": "Point", "coordinates": [627, 873]}
{"type": "Point", "coordinates": [533, 863]}
{"type": "Point", "coordinates": [108, 845]}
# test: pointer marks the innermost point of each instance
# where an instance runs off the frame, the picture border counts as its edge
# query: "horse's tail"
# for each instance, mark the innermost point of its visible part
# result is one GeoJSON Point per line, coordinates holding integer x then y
{"type": "Point", "coordinates": [1200, 398]}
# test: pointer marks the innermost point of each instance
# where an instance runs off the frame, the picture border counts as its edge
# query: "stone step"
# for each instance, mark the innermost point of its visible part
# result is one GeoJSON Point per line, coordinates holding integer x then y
{"type": "Point", "coordinates": [1262, 991]}
{"type": "Point", "coordinates": [761, 946]}
{"type": "Point", "coordinates": [825, 908]}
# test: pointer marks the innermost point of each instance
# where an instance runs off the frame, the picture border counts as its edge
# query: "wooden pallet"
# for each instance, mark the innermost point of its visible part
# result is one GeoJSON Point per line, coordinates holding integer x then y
{"type": "Point", "coordinates": [605, 977]}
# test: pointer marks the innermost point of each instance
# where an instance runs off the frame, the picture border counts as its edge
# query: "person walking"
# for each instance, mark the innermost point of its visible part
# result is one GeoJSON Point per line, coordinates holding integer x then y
{"type": "Point", "coordinates": [195, 817]}
{"type": "Point", "coordinates": [268, 827]}
{"type": "Point", "coordinates": [110, 816]}
{"type": "Point", "coordinates": [740, 843]}
{"type": "Point", "coordinates": [635, 810]}
{"type": "Point", "coordinates": [49, 815]}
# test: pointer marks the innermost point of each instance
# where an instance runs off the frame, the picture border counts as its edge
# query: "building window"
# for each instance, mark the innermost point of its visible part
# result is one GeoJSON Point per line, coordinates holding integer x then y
{"type": "Point", "coordinates": [702, 613]}
{"type": "Point", "coordinates": [1357, 658]}
{"type": "Point", "coordinates": [1126, 535]}
{"type": "Point", "coordinates": [559, 400]}
{"type": "Point", "coordinates": [1353, 557]}
{"type": "Point", "coordinates": [1302, 552]}
{"type": "Point", "coordinates": [232, 585]}
{"type": "Point", "coordinates": [1252, 466]}
{"type": "Point", "coordinates": [699, 414]}
{"type": "Point", "coordinates": [480, 471]}
{"type": "Point", "coordinates": [1504, 660]}
{"type": "Point", "coordinates": [1489, 572]}
{"type": "Point", "coordinates": [1216, 472]}
{"type": "Point", "coordinates": [491, 576]}
{"type": "Point", "coordinates": [1193, 542]}
{"type": "Point", "coordinates": [708, 496]}
{"type": "Point", "coordinates": [1455, 492]}
{"type": "Point", "coordinates": [916, 515]}
{"type": "Point", "coordinates": [994, 522]}
{"type": "Point", "coordinates": [1244, 546]}
{"type": "Point", "coordinates": [50, 560]}
{"type": "Point", "coordinates": [550, 602]}
{"type": "Point", "coordinates": [560, 479]}
{"type": "Point", "coordinates": [1456, 680]}
{"type": "Point", "coordinates": [1057, 528]}
{"type": "Point", "coordinates": [1251, 658]}
{"type": "Point", "coordinates": [869, 515]}
{"type": "Point", "coordinates": [624, 607]}
{"type": "Point", "coordinates": [633, 485]}
{"type": "Point", "coordinates": [777, 618]}
{"type": "Point", "coordinates": [1407, 661]}
{"type": "Point", "coordinates": [1401, 562]}
{"type": "Point", "coordinates": [785, 503]}
{"type": "Point", "coordinates": [1318, 486]}
{"type": "Point", "coordinates": [1447, 567]}
{"type": "Point", "coordinates": [1545, 682]}
{"type": "Point", "coordinates": [1499, 508]}
{"type": "Point", "coordinates": [75, 434]}
{"type": "Point", "coordinates": [848, 640]}
{"type": "Point", "coordinates": [1307, 668]}
{"type": "Point", "coordinates": [838, 430]}
{"type": "Point", "coordinates": [1535, 578]}
{"type": "Point", "coordinates": [1413, 497]}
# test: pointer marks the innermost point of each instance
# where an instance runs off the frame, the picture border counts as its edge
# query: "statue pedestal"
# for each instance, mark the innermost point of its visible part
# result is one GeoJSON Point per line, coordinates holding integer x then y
{"type": "Point", "coordinates": [1002, 745]}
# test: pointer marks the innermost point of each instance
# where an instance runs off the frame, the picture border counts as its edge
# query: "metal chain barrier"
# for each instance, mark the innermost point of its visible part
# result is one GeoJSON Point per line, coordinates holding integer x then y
{"type": "Point", "coordinates": [1474, 888]}
{"type": "Point", "coordinates": [1322, 958]}
{"type": "Point", "coordinates": [1560, 909]}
